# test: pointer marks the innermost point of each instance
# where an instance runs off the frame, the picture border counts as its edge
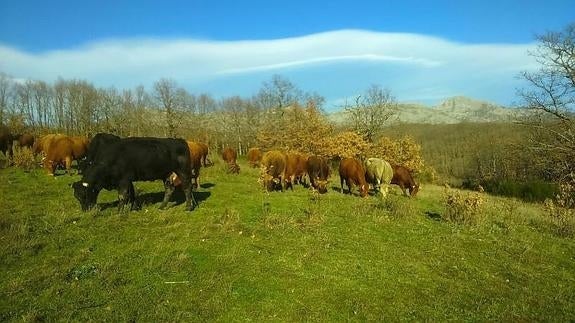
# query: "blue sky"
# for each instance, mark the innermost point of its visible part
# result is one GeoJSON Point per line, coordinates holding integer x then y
{"type": "Point", "coordinates": [423, 51]}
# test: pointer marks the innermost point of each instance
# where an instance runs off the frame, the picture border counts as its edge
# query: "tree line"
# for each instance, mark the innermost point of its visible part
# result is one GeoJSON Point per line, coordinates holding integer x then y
{"type": "Point", "coordinates": [282, 116]}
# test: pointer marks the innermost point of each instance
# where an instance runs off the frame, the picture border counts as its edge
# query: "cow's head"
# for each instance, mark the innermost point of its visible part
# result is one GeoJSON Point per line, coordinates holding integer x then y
{"type": "Point", "coordinates": [413, 190]}
{"type": "Point", "coordinates": [86, 194]}
{"type": "Point", "coordinates": [270, 183]}
{"type": "Point", "coordinates": [363, 189]}
{"type": "Point", "coordinates": [321, 185]}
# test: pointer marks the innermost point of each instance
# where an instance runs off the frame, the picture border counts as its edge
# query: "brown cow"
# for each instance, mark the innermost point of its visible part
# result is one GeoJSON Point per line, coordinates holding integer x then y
{"type": "Point", "coordinates": [352, 172]}
{"type": "Point", "coordinates": [205, 161]}
{"type": "Point", "coordinates": [318, 172]}
{"type": "Point", "coordinates": [60, 151]}
{"type": "Point", "coordinates": [254, 157]}
{"type": "Point", "coordinates": [295, 169]}
{"type": "Point", "coordinates": [273, 166]}
{"type": "Point", "coordinates": [402, 177]}
{"type": "Point", "coordinates": [229, 155]}
{"type": "Point", "coordinates": [43, 144]}
{"type": "Point", "coordinates": [80, 147]}
{"type": "Point", "coordinates": [196, 154]}
{"type": "Point", "coordinates": [25, 140]}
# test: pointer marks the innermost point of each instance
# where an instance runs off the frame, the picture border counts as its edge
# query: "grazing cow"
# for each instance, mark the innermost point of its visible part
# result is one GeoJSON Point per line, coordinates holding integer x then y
{"type": "Point", "coordinates": [301, 169]}
{"type": "Point", "coordinates": [205, 161]}
{"type": "Point", "coordinates": [63, 150]}
{"type": "Point", "coordinates": [98, 141]}
{"type": "Point", "coordinates": [254, 157]}
{"type": "Point", "coordinates": [25, 140]}
{"type": "Point", "coordinates": [6, 139]}
{"type": "Point", "coordinates": [122, 162]}
{"type": "Point", "coordinates": [352, 172]}
{"type": "Point", "coordinates": [229, 155]}
{"type": "Point", "coordinates": [196, 152]}
{"type": "Point", "coordinates": [402, 177]}
{"type": "Point", "coordinates": [295, 169]}
{"type": "Point", "coordinates": [318, 172]}
{"type": "Point", "coordinates": [60, 151]}
{"type": "Point", "coordinates": [43, 144]}
{"type": "Point", "coordinates": [378, 172]}
{"type": "Point", "coordinates": [80, 147]}
{"type": "Point", "coordinates": [273, 165]}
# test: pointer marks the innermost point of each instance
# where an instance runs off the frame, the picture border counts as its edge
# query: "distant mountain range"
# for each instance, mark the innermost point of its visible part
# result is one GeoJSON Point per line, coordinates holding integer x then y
{"type": "Point", "coordinates": [453, 110]}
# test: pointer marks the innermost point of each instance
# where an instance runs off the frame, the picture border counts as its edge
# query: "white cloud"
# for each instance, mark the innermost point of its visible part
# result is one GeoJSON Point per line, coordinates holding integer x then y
{"type": "Point", "coordinates": [419, 62]}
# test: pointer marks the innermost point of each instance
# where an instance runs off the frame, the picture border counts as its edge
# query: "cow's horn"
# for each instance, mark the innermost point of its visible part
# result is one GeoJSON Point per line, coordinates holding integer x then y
{"type": "Point", "coordinates": [85, 184]}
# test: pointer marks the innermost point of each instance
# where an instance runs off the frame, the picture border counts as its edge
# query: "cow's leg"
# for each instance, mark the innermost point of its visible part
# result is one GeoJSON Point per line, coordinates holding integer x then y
{"type": "Point", "coordinates": [384, 190]}
{"type": "Point", "coordinates": [349, 186]}
{"type": "Point", "coordinates": [403, 189]}
{"type": "Point", "coordinates": [187, 187]}
{"type": "Point", "coordinates": [126, 194]}
{"type": "Point", "coordinates": [170, 188]}
{"type": "Point", "coordinates": [291, 181]}
{"type": "Point", "coordinates": [341, 184]}
{"type": "Point", "coordinates": [68, 163]}
{"type": "Point", "coordinates": [189, 192]}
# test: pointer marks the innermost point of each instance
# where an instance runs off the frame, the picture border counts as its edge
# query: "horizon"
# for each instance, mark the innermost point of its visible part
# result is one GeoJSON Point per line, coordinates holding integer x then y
{"type": "Point", "coordinates": [422, 53]}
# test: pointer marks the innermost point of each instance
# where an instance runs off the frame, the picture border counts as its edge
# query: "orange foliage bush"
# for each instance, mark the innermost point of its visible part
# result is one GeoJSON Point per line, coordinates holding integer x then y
{"type": "Point", "coordinates": [405, 152]}
{"type": "Point", "coordinates": [342, 145]}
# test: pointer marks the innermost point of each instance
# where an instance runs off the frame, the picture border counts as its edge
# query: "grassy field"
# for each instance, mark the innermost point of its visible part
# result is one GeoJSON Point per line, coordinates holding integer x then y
{"type": "Point", "coordinates": [248, 255]}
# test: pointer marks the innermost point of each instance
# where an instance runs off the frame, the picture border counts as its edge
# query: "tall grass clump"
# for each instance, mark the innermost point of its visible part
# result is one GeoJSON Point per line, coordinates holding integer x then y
{"type": "Point", "coordinates": [561, 210]}
{"type": "Point", "coordinates": [398, 207]}
{"type": "Point", "coordinates": [24, 158]}
{"type": "Point", "coordinates": [462, 208]}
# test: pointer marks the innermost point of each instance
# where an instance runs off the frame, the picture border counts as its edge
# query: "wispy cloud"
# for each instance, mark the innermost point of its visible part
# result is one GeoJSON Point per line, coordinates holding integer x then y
{"type": "Point", "coordinates": [409, 62]}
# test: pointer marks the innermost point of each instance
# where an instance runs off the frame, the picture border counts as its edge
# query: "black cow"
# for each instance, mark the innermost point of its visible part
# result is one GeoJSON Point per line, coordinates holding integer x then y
{"type": "Point", "coordinates": [100, 140]}
{"type": "Point", "coordinates": [121, 162]}
{"type": "Point", "coordinates": [6, 139]}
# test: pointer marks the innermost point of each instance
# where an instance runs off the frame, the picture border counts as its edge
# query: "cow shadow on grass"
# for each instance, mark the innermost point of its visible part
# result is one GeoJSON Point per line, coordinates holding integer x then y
{"type": "Point", "coordinates": [152, 198]}
{"type": "Point", "coordinates": [207, 185]}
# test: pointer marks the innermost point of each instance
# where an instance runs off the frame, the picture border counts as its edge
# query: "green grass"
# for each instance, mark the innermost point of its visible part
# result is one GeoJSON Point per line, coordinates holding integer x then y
{"type": "Point", "coordinates": [248, 255]}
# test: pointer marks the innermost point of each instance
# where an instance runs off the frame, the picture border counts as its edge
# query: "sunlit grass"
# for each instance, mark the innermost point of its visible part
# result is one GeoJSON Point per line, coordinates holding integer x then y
{"type": "Point", "coordinates": [245, 254]}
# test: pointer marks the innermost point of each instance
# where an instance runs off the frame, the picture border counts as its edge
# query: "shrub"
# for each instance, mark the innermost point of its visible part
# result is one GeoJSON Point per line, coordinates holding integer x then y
{"type": "Point", "coordinates": [404, 151]}
{"type": "Point", "coordinates": [24, 158]}
{"type": "Point", "coordinates": [397, 206]}
{"type": "Point", "coordinates": [428, 175]}
{"type": "Point", "coordinates": [462, 208]}
{"type": "Point", "coordinates": [562, 210]}
{"type": "Point", "coordinates": [342, 145]}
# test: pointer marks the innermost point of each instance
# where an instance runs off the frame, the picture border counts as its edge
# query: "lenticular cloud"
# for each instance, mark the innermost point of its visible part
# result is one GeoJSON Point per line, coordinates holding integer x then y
{"type": "Point", "coordinates": [129, 62]}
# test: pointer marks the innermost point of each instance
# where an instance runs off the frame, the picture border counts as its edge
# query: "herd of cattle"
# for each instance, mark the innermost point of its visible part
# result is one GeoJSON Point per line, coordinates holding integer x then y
{"type": "Point", "coordinates": [281, 171]}
{"type": "Point", "coordinates": [109, 162]}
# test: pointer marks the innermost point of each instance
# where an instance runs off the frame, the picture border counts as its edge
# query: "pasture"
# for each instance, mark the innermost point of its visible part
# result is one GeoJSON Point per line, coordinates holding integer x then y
{"type": "Point", "coordinates": [244, 254]}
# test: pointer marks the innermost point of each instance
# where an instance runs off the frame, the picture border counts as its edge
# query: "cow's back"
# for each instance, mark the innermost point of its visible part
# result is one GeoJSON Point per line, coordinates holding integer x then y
{"type": "Point", "coordinates": [402, 176]}
{"type": "Point", "coordinates": [229, 155]}
{"type": "Point", "coordinates": [352, 171]}
{"type": "Point", "coordinates": [378, 169]}
{"type": "Point", "coordinates": [317, 167]}
{"type": "Point", "coordinates": [26, 140]}
{"type": "Point", "coordinates": [274, 162]}
{"type": "Point", "coordinates": [143, 159]}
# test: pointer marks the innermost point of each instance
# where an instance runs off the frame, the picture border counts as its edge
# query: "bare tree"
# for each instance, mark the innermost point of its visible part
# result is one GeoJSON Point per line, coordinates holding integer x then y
{"type": "Point", "coordinates": [6, 84]}
{"type": "Point", "coordinates": [165, 91]}
{"type": "Point", "coordinates": [551, 95]}
{"type": "Point", "coordinates": [371, 111]}
{"type": "Point", "coordinates": [279, 92]}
